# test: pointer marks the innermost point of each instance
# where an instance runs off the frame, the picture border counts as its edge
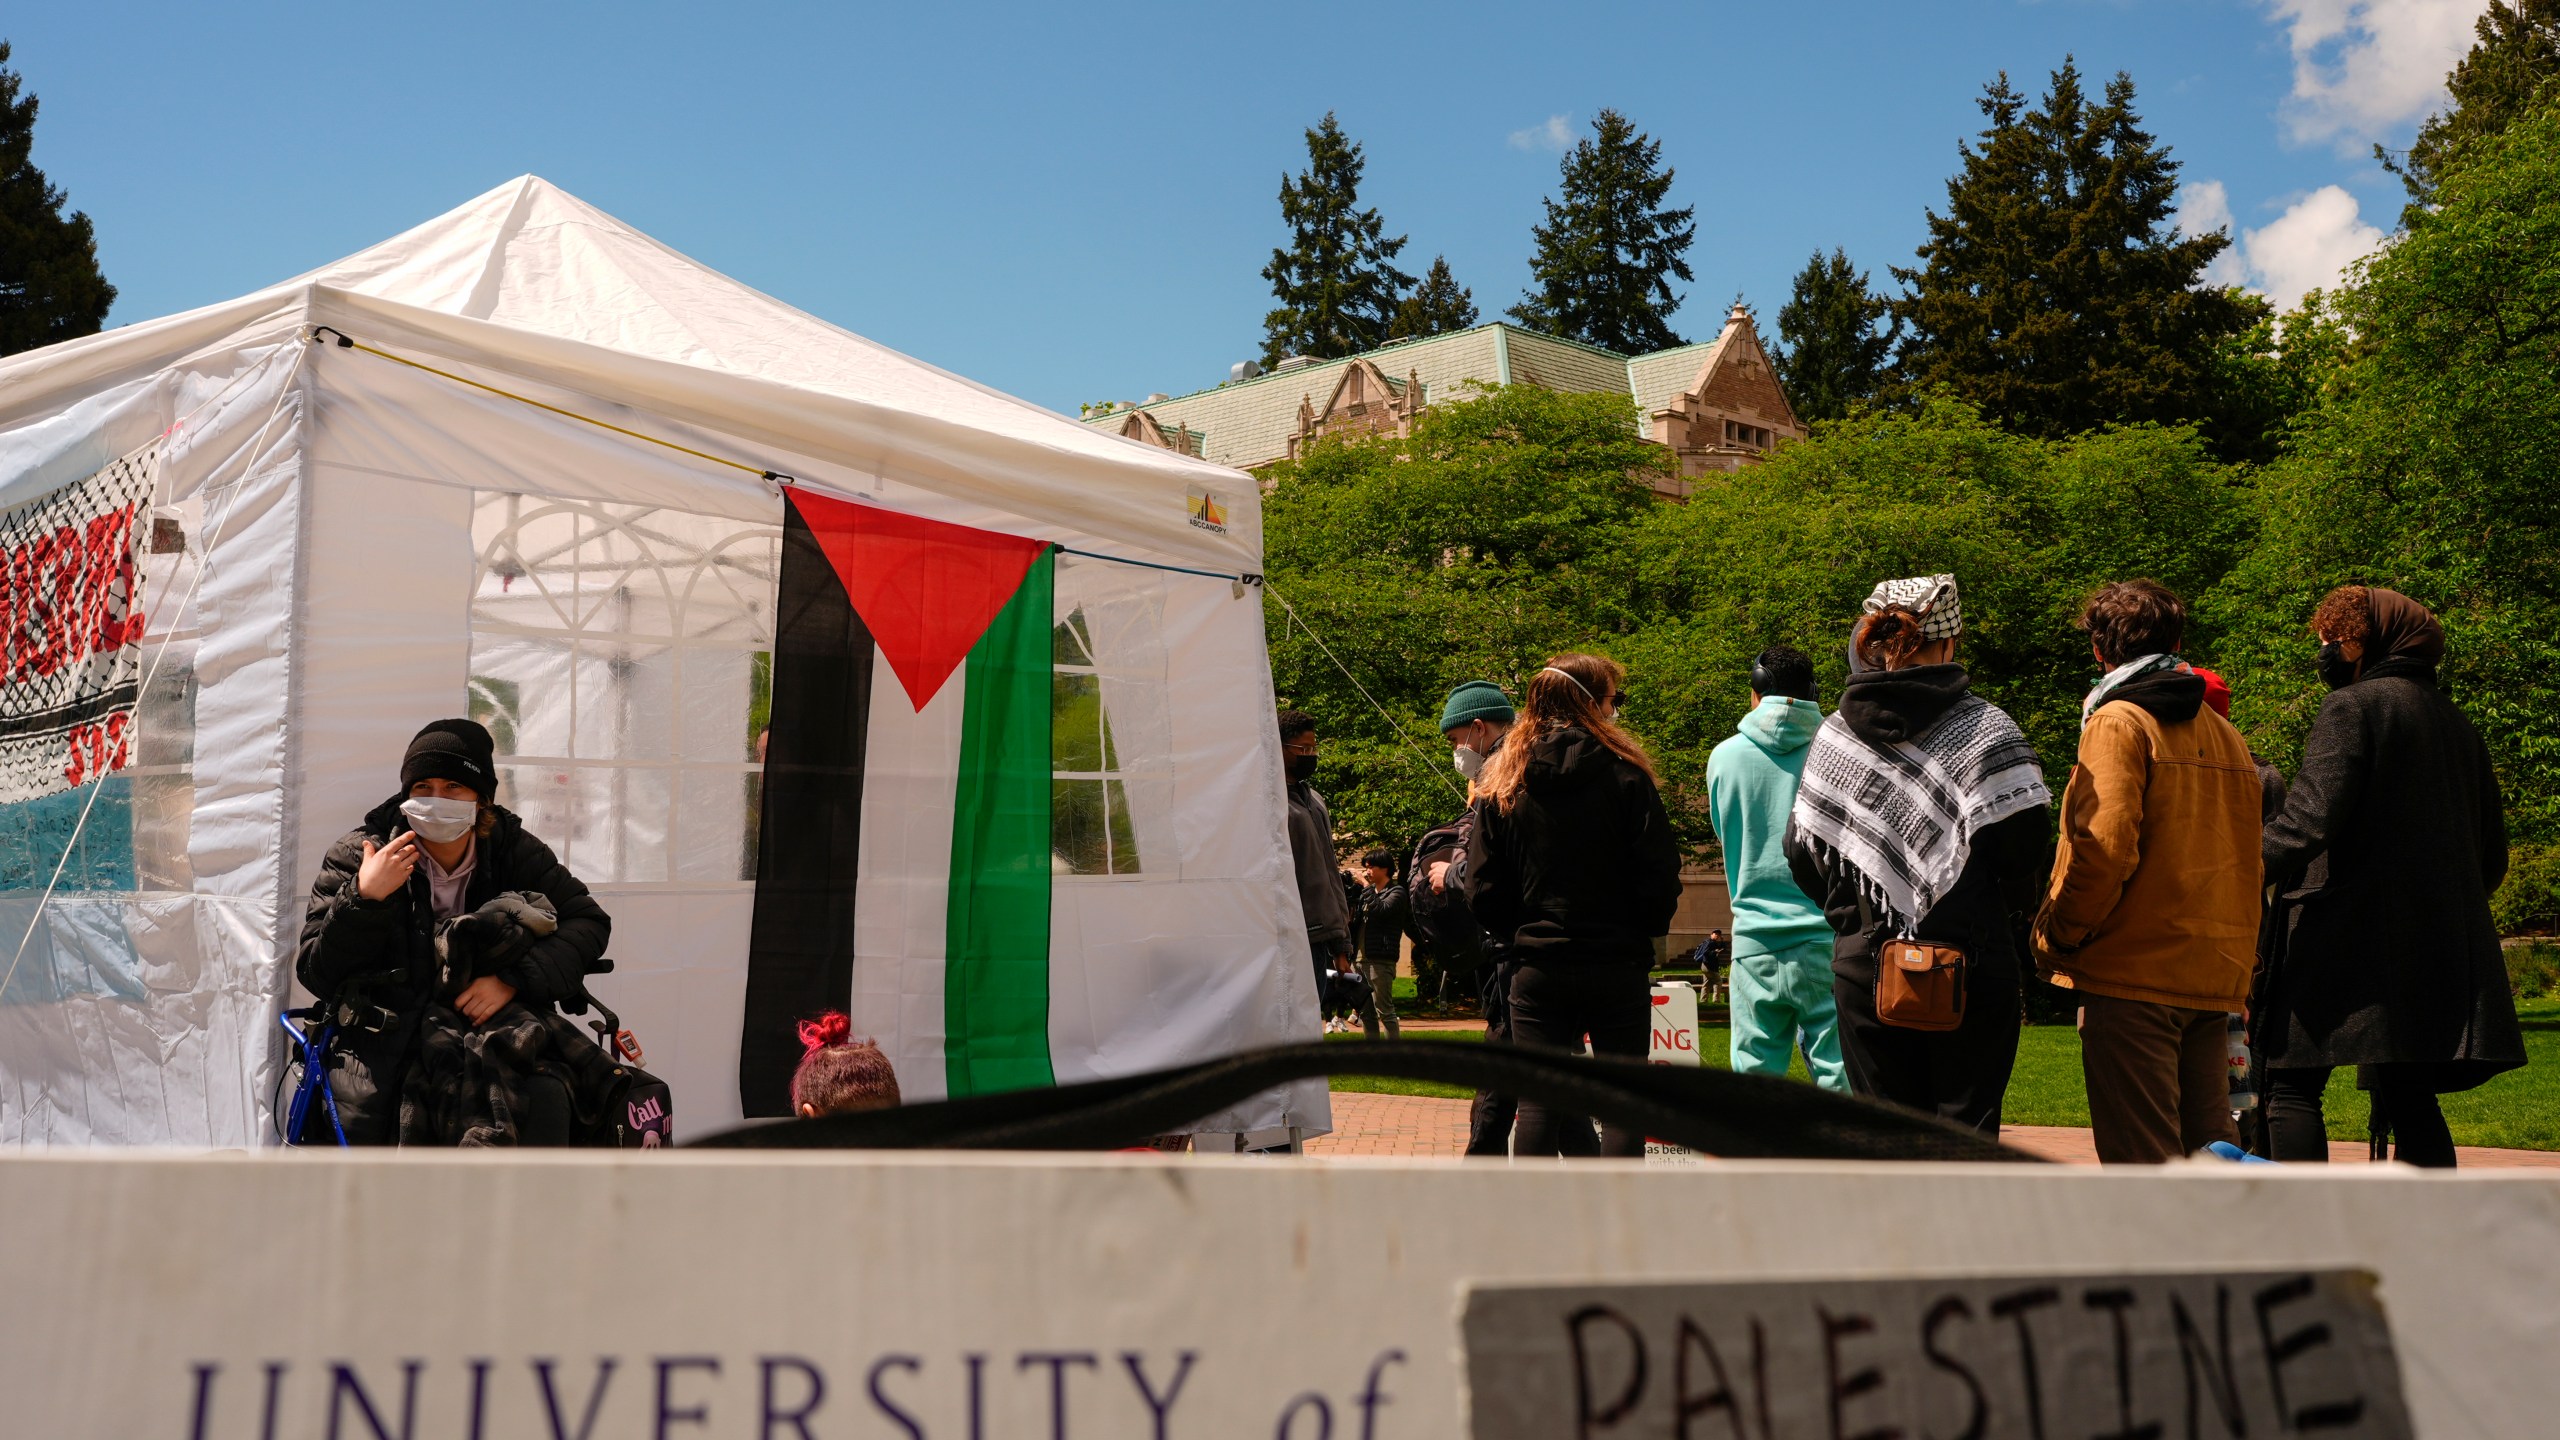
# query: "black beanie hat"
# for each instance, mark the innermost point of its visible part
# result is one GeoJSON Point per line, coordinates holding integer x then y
{"type": "Point", "coordinates": [456, 750]}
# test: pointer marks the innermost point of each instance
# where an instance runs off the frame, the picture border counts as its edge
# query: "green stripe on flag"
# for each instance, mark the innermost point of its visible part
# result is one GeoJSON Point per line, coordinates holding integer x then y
{"type": "Point", "coordinates": [995, 997]}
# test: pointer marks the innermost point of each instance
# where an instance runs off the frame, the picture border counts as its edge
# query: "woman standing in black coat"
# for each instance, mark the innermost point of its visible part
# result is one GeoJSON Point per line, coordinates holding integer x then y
{"type": "Point", "coordinates": [437, 851]}
{"type": "Point", "coordinates": [1571, 864]}
{"type": "Point", "coordinates": [2390, 960]}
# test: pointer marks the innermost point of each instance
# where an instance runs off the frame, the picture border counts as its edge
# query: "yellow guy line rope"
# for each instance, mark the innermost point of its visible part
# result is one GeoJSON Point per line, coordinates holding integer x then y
{"type": "Point", "coordinates": [774, 479]}
{"type": "Point", "coordinates": [346, 342]}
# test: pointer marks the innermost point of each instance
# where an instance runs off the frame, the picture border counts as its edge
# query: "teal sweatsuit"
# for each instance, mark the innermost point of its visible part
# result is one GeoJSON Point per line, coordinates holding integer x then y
{"type": "Point", "coordinates": [1781, 978]}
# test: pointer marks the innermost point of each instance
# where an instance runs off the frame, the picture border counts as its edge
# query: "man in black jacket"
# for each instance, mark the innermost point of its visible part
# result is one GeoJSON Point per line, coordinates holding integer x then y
{"type": "Point", "coordinates": [436, 853]}
{"type": "Point", "coordinates": [1320, 880]}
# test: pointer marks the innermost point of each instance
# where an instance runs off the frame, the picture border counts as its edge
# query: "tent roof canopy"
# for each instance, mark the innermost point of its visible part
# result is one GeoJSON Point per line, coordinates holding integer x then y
{"type": "Point", "coordinates": [535, 266]}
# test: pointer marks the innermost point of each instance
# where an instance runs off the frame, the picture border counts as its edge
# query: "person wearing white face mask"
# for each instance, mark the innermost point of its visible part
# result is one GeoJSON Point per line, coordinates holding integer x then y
{"type": "Point", "coordinates": [1475, 719]}
{"type": "Point", "coordinates": [372, 952]}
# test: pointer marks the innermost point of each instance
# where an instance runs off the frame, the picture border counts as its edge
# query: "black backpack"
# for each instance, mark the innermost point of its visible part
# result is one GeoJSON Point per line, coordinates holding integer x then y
{"type": "Point", "coordinates": [614, 1104]}
{"type": "Point", "coordinates": [1438, 918]}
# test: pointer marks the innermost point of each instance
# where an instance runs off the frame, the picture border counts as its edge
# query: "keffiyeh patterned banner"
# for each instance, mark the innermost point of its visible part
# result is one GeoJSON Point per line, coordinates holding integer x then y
{"type": "Point", "coordinates": [71, 624]}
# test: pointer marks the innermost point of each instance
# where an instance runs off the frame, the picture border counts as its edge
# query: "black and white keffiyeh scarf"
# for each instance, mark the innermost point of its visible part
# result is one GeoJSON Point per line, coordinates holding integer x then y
{"type": "Point", "coordinates": [1903, 815]}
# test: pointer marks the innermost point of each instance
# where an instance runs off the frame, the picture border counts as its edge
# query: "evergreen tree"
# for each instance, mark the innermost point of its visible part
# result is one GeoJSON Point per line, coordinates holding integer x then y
{"type": "Point", "coordinates": [1609, 249]}
{"type": "Point", "coordinates": [2056, 292]}
{"type": "Point", "coordinates": [1834, 354]}
{"type": "Point", "coordinates": [2510, 69]}
{"type": "Point", "coordinates": [1437, 307]}
{"type": "Point", "coordinates": [1336, 283]}
{"type": "Point", "coordinates": [50, 285]}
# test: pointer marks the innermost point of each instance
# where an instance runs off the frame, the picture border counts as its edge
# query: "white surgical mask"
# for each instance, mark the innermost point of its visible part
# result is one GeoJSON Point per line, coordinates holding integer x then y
{"type": "Point", "coordinates": [441, 821]}
{"type": "Point", "coordinates": [1467, 760]}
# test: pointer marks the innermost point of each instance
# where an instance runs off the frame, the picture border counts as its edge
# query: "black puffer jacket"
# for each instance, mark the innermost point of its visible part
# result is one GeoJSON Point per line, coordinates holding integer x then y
{"type": "Point", "coordinates": [2392, 956]}
{"type": "Point", "coordinates": [1384, 914]}
{"type": "Point", "coordinates": [373, 961]}
{"type": "Point", "coordinates": [2003, 877]}
{"type": "Point", "coordinates": [1584, 868]}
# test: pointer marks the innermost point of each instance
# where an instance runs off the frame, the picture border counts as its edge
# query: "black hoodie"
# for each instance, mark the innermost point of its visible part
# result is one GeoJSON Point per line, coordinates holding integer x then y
{"type": "Point", "coordinates": [1583, 869]}
{"type": "Point", "coordinates": [2003, 876]}
{"type": "Point", "coordinates": [2170, 695]}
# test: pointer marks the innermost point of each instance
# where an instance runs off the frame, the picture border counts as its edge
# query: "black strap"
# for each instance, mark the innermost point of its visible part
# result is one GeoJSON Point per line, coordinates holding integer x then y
{"type": "Point", "coordinates": [1709, 1110]}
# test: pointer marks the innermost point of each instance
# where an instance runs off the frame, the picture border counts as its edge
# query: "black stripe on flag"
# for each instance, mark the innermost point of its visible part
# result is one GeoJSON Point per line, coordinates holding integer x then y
{"type": "Point", "coordinates": [809, 844]}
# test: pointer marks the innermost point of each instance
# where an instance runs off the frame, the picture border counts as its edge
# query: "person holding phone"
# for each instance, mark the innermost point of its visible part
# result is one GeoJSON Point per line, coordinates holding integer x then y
{"type": "Point", "coordinates": [436, 852]}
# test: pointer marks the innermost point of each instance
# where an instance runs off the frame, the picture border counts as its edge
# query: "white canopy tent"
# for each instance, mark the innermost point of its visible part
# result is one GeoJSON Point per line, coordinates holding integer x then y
{"type": "Point", "coordinates": [535, 491]}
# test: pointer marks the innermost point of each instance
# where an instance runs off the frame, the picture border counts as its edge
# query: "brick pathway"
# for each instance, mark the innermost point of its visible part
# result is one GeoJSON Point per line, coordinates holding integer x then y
{"type": "Point", "coordinates": [1431, 1126]}
{"type": "Point", "coordinates": [1395, 1125]}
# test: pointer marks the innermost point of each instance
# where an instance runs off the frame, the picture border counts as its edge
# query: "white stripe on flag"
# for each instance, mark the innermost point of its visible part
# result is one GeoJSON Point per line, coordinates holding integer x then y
{"type": "Point", "coordinates": [911, 770]}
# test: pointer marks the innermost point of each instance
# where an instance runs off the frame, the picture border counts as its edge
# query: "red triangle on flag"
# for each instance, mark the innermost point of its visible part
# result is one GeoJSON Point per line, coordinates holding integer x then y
{"type": "Point", "coordinates": [926, 589]}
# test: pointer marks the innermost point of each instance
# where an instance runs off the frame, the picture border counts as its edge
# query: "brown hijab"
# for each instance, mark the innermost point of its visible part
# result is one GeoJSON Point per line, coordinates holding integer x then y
{"type": "Point", "coordinates": [2402, 629]}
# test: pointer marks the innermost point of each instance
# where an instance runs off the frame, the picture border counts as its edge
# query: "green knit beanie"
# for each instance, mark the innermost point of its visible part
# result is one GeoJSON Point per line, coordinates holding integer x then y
{"type": "Point", "coordinates": [1475, 700]}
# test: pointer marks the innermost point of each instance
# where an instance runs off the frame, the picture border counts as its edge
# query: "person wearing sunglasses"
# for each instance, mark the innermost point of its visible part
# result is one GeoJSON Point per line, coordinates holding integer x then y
{"type": "Point", "coordinates": [1571, 863]}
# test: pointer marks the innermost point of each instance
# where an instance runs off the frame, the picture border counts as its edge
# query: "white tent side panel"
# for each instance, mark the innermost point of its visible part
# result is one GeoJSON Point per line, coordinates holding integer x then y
{"type": "Point", "coordinates": [139, 1005]}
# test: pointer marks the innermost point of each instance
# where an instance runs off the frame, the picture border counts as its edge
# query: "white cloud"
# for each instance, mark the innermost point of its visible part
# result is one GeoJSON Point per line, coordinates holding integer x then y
{"type": "Point", "coordinates": [1553, 133]}
{"type": "Point", "coordinates": [2361, 68]}
{"type": "Point", "coordinates": [2204, 207]}
{"type": "Point", "coordinates": [2307, 247]}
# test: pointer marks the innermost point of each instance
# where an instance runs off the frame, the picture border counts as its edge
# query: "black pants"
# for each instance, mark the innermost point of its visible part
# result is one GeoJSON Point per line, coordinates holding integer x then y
{"type": "Point", "coordinates": [1490, 1116]}
{"type": "Point", "coordinates": [1553, 1007]}
{"type": "Point", "coordinates": [1959, 1075]}
{"type": "Point", "coordinates": [2298, 1130]}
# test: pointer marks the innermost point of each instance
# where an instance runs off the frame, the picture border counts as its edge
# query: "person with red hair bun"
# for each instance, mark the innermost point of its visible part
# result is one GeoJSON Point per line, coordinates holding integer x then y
{"type": "Point", "coordinates": [839, 1074]}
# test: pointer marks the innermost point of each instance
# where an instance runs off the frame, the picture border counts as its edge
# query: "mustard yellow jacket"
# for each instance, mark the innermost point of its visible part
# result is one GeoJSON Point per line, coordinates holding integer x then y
{"type": "Point", "coordinates": [2155, 888]}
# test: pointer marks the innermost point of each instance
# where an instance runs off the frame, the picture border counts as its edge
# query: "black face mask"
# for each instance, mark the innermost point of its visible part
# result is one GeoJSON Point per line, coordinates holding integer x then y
{"type": "Point", "coordinates": [2336, 670]}
{"type": "Point", "coordinates": [1301, 768]}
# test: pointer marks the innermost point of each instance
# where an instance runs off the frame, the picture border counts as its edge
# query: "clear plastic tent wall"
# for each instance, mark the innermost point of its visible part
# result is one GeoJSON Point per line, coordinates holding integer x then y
{"type": "Point", "coordinates": [321, 547]}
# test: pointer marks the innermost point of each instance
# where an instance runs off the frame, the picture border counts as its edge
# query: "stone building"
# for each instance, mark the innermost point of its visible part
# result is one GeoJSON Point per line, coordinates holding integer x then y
{"type": "Point", "coordinates": [1717, 404]}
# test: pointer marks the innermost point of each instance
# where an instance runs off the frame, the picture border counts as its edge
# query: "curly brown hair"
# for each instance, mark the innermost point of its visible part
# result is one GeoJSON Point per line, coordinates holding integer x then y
{"type": "Point", "coordinates": [2345, 614]}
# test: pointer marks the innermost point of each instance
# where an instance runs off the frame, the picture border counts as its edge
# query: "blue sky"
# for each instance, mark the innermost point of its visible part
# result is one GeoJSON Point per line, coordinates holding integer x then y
{"type": "Point", "coordinates": [1075, 203]}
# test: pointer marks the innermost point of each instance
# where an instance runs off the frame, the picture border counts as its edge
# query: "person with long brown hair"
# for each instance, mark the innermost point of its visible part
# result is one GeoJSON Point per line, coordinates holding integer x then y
{"type": "Point", "coordinates": [1919, 829]}
{"type": "Point", "coordinates": [1571, 863]}
{"type": "Point", "coordinates": [2382, 952]}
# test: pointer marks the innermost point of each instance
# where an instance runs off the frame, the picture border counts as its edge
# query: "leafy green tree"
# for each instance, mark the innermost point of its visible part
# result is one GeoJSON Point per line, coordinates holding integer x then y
{"type": "Point", "coordinates": [1473, 549]}
{"type": "Point", "coordinates": [50, 285]}
{"type": "Point", "coordinates": [2510, 69]}
{"type": "Point", "coordinates": [2424, 464]}
{"type": "Point", "coordinates": [1610, 248]}
{"type": "Point", "coordinates": [2029, 528]}
{"type": "Point", "coordinates": [1518, 524]}
{"type": "Point", "coordinates": [2055, 292]}
{"type": "Point", "coordinates": [1833, 356]}
{"type": "Point", "coordinates": [2274, 371]}
{"type": "Point", "coordinates": [1436, 307]}
{"type": "Point", "coordinates": [1336, 283]}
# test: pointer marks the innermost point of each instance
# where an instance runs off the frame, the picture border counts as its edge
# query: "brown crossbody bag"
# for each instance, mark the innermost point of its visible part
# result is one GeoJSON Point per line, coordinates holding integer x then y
{"type": "Point", "coordinates": [1920, 986]}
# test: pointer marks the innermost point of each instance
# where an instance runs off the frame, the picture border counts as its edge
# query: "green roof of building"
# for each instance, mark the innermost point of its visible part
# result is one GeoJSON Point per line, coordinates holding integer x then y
{"type": "Point", "coordinates": [1248, 422]}
{"type": "Point", "coordinates": [1657, 379]}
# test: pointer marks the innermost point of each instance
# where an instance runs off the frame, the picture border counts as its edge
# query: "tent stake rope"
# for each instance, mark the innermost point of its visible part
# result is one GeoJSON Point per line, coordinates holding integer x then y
{"type": "Point", "coordinates": [774, 480]}
{"type": "Point", "coordinates": [212, 535]}
{"type": "Point", "coordinates": [1364, 691]}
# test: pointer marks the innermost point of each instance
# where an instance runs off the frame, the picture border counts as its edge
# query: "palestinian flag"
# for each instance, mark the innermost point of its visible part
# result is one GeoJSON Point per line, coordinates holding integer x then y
{"type": "Point", "coordinates": [907, 768]}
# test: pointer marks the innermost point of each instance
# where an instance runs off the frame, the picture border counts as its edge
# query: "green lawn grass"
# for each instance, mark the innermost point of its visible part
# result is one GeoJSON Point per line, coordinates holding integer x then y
{"type": "Point", "coordinates": [2518, 1110]}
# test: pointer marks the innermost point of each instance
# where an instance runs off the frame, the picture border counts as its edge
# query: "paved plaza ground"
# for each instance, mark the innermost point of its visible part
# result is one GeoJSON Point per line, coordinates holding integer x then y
{"type": "Point", "coordinates": [1424, 1125]}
